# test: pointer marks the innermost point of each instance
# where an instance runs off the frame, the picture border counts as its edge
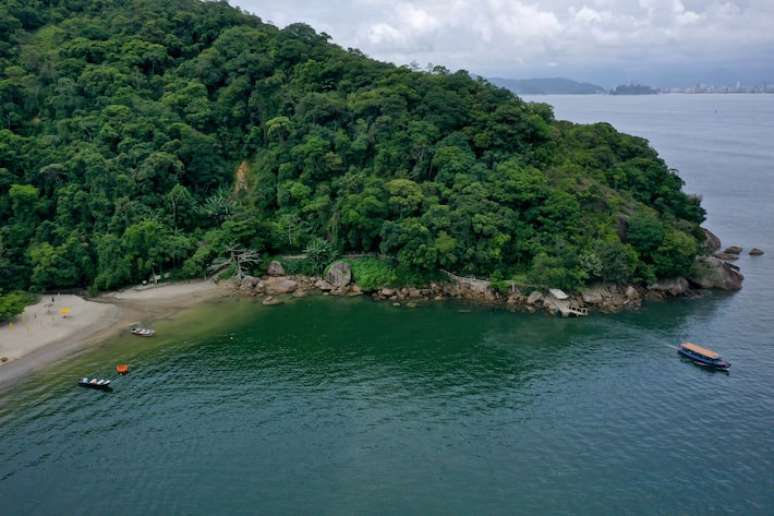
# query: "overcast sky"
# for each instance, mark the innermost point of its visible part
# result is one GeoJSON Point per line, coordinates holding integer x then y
{"type": "Point", "coordinates": [662, 42]}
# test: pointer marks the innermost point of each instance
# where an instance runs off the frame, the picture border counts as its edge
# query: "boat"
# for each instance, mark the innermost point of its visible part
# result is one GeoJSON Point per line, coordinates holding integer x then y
{"type": "Point", "coordinates": [122, 368]}
{"type": "Point", "coordinates": [142, 332]}
{"type": "Point", "coordinates": [702, 356]}
{"type": "Point", "coordinates": [94, 383]}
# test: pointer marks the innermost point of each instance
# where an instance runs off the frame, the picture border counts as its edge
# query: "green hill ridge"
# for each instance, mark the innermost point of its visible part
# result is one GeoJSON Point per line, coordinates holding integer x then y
{"type": "Point", "coordinates": [124, 124]}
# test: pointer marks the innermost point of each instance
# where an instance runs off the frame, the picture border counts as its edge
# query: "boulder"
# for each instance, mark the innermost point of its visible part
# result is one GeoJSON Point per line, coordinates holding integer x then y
{"type": "Point", "coordinates": [711, 272]}
{"type": "Point", "coordinates": [249, 283]}
{"type": "Point", "coordinates": [323, 285]}
{"type": "Point", "coordinates": [534, 298]}
{"type": "Point", "coordinates": [280, 285]}
{"type": "Point", "coordinates": [558, 294]}
{"type": "Point", "coordinates": [756, 252]}
{"type": "Point", "coordinates": [414, 293]}
{"type": "Point", "coordinates": [388, 292]}
{"type": "Point", "coordinates": [711, 241]}
{"type": "Point", "coordinates": [632, 294]}
{"type": "Point", "coordinates": [270, 301]}
{"type": "Point", "coordinates": [594, 295]}
{"type": "Point", "coordinates": [339, 274]}
{"type": "Point", "coordinates": [275, 269]}
{"type": "Point", "coordinates": [734, 249]}
{"type": "Point", "coordinates": [727, 257]}
{"type": "Point", "coordinates": [673, 287]}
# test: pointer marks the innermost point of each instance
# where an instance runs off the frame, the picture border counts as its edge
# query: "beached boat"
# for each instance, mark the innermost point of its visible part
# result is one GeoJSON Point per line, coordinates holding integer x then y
{"type": "Point", "coordinates": [703, 356]}
{"type": "Point", "coordinates": [143, 332]}
{"type": "Point", "coordinates": [95, 383]}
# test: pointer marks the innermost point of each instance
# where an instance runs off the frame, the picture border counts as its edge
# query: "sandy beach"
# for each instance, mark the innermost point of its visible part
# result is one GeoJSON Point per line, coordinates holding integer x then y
{"type": "Point", "coordinates": [58, 326]}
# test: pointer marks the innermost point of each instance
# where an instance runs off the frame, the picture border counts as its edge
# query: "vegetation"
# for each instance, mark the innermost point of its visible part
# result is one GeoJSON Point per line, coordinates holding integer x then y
{"type": "Point", "coordinates": [549, 86]}
{"type": "Point", "coordinates": [140, 137]}
{"type": "Point", "coordinates": [13, 304]}
{"type": "Point", "coordinates": [633, 89]}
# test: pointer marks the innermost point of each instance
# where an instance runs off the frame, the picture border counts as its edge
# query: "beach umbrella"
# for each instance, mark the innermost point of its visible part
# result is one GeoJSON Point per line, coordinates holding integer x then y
{"type": "Point", "coordinates": [64, 312]}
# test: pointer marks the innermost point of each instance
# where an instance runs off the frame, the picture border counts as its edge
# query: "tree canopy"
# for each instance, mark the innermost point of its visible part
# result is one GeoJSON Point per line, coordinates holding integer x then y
{"type": "Point", "coordinates": [139, 137]}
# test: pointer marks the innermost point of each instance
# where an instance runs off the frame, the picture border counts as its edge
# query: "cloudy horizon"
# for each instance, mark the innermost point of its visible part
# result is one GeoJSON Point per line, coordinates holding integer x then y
{"type": "Point", "coordinates": [661, 42]}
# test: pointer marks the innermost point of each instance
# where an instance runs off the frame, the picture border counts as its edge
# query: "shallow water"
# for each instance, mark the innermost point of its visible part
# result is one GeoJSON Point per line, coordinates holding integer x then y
{"type": "Point", "coordinates": [348, 406]}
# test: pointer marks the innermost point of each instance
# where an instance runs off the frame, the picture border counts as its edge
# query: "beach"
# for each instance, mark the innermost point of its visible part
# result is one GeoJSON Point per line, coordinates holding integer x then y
{"type": "Point", "coordinates": [58, 326]}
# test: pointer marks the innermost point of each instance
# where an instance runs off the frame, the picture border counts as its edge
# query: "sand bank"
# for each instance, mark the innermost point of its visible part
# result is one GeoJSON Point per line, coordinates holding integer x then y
{"type": "Point", "coordinates": [61, 325]}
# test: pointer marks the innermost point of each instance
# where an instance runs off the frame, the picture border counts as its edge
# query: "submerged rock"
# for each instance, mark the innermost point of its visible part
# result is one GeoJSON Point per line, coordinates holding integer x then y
{"type": "Point", "coordinates": [339, 274]}
{"type": "Point", "coordinates": [275, 269]}
{"type": "Point", "coordinates": [734, 249]}
{"type": "Point", "coordinates": [711, 272]}
{"type": "Point", "coordinates": [756, 252]}
{"type": "Point", "coordinates": [270, 301]}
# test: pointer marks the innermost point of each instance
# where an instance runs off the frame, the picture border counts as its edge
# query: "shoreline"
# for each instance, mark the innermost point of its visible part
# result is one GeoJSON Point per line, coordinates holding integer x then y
{"type": "Point", "coordinates": [41, 336]}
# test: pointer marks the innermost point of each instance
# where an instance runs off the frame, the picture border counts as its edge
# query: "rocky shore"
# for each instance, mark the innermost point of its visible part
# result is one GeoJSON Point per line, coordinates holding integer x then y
{"type": "Point", "coordinates": [710, 271]}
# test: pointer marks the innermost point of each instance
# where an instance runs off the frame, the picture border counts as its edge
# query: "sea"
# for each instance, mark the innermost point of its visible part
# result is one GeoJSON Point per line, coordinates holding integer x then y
{"type": "Point", "coordinates": [349, 406]}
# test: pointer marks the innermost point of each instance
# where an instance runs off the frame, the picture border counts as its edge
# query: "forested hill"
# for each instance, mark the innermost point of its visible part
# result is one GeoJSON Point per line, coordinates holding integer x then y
{"type": "Point", "coordinates": [123, 124]}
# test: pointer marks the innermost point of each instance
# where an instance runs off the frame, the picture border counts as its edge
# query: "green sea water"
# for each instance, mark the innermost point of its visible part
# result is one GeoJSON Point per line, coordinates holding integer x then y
{"type": "Point", "coordinates": [348, 406]}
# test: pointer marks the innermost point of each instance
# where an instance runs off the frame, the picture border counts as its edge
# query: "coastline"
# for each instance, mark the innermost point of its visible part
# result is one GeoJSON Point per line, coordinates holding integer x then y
{"type": "Point", "coordinates": [41, 336]}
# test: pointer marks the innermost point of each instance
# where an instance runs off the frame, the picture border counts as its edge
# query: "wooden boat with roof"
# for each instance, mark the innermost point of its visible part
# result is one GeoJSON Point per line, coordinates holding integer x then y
{"type": "Point", "coordinates": [702, 356]}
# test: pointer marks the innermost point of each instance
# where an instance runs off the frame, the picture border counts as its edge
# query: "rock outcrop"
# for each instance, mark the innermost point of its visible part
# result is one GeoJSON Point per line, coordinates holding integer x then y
{"type": "Point", "coordinates": [275, 269]}
{"type": "Point", "coordinates": [339, 274]}
{"type": "Point", "coordinates": [726, 257]}
{"type": "Point", "coordinates": [756, 252]}
{"type": "Point", "coordinates": [673, 287]}
{"type": "Point", "coordinates": [711, 272]}
{"type": "Point", "coordinates": [711, 241]}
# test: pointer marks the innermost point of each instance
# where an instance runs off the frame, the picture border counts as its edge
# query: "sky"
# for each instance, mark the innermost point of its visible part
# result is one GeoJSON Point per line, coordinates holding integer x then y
{"type": "Point", "coordinates": [659, 42]}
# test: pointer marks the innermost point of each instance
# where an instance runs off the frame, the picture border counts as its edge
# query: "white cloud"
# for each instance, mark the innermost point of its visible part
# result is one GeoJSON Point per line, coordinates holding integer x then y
{"type": "Point", "coordinates": [495, 36]}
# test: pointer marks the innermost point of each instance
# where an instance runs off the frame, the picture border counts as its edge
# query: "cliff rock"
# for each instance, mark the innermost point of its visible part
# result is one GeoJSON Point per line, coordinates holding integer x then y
{"type": "Point", "coordinates": [711, 241]}
{"type": "Point", "coordinates": [673, 287]}
{"type": "Point", "coordinates": [711, 272]}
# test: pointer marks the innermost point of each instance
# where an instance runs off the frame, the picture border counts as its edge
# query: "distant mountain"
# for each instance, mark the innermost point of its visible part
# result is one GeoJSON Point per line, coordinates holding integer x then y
{"type": "Point", "coordinates": [548, 86]}
{"type": "Point", "coordinates": [633, 89]}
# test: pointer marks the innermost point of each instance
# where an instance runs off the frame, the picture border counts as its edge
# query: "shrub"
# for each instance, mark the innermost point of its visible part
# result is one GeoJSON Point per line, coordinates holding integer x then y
{"type": "Point", "coordinates": [373, 273]}
{"type": "Point", "coordinates": [13, 304]}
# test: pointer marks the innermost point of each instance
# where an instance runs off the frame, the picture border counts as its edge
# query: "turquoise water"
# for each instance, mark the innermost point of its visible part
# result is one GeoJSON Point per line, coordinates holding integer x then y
{"type": "Point", "coordinates": [348, 406]}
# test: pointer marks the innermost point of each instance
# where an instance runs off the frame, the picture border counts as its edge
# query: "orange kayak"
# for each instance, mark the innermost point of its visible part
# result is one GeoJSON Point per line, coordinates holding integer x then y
{"type": "Point", "coordinates": [122, 369]}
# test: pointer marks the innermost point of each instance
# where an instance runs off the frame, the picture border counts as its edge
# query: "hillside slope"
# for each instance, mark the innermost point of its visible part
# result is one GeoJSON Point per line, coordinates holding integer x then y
{"type": "Point", "coordinates": [123, 123]}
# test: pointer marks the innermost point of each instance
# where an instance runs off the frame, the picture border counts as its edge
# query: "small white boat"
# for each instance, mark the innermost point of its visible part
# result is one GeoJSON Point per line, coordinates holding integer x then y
{"type": "Point", "coordinates": [94, 383]}
{"type": "Point", "coordinates": [143, 332]}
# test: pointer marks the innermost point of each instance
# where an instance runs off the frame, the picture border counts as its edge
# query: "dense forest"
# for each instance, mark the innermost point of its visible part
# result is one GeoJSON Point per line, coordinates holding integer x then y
{"type": "Point", "coordinates": [140, 137]}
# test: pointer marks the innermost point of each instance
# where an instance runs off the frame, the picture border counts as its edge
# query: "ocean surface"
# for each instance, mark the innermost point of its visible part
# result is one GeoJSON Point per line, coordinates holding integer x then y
{"type": "Point", "coordinates": [347, 406]}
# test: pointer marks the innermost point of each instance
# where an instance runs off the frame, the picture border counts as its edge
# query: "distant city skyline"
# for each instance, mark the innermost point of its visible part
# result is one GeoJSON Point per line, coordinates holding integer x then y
{"type": "Point", "coordinates": [664, 43]}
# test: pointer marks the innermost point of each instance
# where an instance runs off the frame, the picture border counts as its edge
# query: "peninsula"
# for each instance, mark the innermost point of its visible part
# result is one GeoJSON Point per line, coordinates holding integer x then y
{"type": "Point", "coordinates": [183, 138]}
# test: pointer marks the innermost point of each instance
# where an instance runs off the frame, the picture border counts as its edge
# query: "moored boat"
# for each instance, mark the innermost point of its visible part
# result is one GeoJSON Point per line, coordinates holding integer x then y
{"type": "Point", "coordinates": [142, 332]}
{"type": "Point", "coordinates": [122, 368]}
{"type": "Point", "coordinates": [702, 356]}
{"type": "Point", "coordinates": [95, 383]}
